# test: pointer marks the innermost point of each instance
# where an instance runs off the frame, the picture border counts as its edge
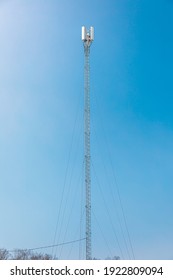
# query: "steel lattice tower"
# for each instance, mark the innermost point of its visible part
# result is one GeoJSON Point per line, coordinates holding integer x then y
{"type": "Point", "coordinates": [87, 38]}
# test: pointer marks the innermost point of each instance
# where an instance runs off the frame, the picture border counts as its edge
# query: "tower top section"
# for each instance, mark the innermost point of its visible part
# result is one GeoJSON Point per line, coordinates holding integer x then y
{"type": "Point", "coordinates": [87, 35]}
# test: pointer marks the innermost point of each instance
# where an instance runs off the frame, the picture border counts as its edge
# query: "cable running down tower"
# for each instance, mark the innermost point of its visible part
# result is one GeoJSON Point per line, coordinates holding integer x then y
{"type": "Point", "coordinates": [87, 38]}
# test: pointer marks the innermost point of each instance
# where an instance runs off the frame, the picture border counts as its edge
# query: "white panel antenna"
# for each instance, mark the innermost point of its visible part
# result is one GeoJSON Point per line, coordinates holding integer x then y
{"type": "Point", "coordinates": [84, 33]}
{"type": "Point", "coordinates": [92, 33]}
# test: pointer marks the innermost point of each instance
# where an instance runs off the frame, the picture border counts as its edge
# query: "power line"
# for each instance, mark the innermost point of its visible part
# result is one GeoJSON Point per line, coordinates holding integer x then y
{"type": "Point", "coordinates": [112, 194]}
{"type": "Point", "coordinates": [108, 212]}
{"type": "Point", "coordinates": [73, 204]}
{"type": "Point", "coordinates": [116, 184]}
{"type": "Point", "coordinates": [65, 180]}
{"type": "Point", "coordinates": [110, 252]}
{"type": "Point", "coordinates": [50, 246]}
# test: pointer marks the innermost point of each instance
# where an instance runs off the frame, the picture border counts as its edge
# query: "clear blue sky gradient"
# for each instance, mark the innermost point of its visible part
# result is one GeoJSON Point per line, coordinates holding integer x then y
{"type": "Point", "coordinates": [41, 126]}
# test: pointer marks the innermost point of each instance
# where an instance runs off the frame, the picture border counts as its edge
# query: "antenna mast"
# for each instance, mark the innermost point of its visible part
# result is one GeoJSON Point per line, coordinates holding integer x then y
{"type": "Point", "coordinates": [87, 38]}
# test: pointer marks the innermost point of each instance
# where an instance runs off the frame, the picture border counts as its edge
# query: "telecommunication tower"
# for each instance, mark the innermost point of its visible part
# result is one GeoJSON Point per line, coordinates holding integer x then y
{"type": "Point", "coordinates": [87, 38]}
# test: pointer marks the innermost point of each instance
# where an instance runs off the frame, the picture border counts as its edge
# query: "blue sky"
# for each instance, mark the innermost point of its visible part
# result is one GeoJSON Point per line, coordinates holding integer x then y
{"type": "Point", "coordinates": [41, 121]}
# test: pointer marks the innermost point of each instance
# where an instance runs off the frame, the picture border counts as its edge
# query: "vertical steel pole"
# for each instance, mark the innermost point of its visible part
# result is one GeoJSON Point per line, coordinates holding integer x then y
{"type": "Point", "coordinates": [87, 150]}
{"type": "Point", "coordinates": [87, 38]}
